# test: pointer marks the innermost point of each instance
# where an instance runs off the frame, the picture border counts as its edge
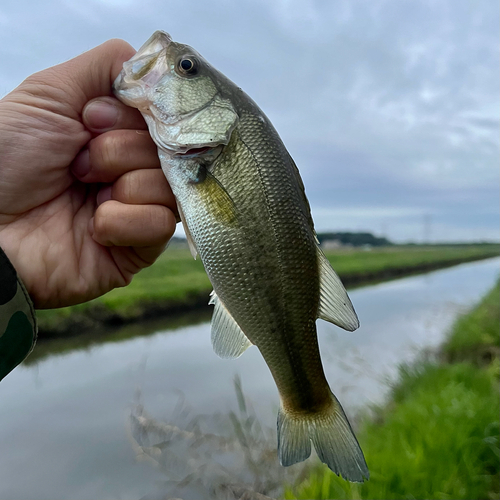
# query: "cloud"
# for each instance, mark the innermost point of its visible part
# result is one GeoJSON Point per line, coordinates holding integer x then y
{"type": "Point", "coordinates": [382, 103]}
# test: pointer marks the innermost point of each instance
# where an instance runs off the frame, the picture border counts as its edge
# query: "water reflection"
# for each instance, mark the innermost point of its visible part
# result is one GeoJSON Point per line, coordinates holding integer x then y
{"type": "Point", "coordinates": [63, 414]}
{"type": "Point", "coordinates": [54, 346]}
{"type": "Point", "coordinates": [223, 456]}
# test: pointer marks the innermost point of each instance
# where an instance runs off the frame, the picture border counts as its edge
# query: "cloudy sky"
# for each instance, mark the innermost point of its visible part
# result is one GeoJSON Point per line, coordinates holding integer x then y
{"type": "Point", "coordinates": [389, 107]}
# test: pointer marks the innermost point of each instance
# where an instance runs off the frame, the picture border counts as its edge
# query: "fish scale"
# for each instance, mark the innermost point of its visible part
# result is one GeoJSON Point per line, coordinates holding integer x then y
{"type": "Point", "coordinates": [245, 212]}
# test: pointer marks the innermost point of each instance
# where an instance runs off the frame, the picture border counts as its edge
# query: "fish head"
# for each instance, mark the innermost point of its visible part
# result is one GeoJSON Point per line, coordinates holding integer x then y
{"type": "Point", "coordinates": [181, 97]}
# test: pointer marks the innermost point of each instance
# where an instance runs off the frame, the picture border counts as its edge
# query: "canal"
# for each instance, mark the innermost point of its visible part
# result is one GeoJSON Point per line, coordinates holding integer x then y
{"type": "Point", "coordinates": [64, 414]}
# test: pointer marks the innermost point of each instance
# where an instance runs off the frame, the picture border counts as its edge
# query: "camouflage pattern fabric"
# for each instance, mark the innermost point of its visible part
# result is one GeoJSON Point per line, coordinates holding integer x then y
{"type": "Point", "coordinates": [18, 328]}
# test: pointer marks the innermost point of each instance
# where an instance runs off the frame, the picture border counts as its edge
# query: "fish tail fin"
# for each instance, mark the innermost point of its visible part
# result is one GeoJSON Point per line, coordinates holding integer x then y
{"type": "Point", "coordinates": [332, 436]}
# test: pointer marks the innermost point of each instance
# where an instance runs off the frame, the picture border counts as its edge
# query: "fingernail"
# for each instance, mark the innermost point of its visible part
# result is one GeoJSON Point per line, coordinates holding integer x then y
{"type": "Point", "coordinates": [103, 195]}
{"type": "Point", "coordinates": [81, 164]}
{"type": "Point", "coordinates": [100, 115]}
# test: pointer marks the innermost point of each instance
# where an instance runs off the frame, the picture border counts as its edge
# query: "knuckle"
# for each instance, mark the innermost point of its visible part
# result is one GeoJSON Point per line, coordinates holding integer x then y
{"type": "Point", "coordinates": [104, 223]}
{"type": "Point", "coordinates": [164, 221]}
{"type": "Point", "coordinates": [133, 185]}
{"type": "Point", "coordinates": [158, 224]}
{"type": "Point", "coordinates": [108, 151]}
{"type": "Point", "coordinates": [118, 45]}
{"type": "Point", "coordinates": [100, 223]}
{"type": "Point", "coordinates": [128, 186]}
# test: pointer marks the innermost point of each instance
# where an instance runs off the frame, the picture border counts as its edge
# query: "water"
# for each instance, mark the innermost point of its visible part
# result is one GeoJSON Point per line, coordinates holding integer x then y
{"type": "Point", "coordinates": [62, 417]}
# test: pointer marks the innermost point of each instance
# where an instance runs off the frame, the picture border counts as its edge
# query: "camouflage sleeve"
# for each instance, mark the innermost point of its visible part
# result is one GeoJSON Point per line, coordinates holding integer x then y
{"type": "Point", "coordinates": [18, 328]}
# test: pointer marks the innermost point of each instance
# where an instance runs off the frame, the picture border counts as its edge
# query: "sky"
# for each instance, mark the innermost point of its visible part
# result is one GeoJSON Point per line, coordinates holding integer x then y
{"type": "Point", "coordinates": [390, 108]}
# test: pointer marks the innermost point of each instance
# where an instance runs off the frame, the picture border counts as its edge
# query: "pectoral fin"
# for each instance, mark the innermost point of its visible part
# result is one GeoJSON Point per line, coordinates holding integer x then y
{"type": "Point", "coordinates": [334, 304]}
{"type": "Point", "coordinates": [228, 339]}
{"type": "Point", "coordinates": [217, 200]}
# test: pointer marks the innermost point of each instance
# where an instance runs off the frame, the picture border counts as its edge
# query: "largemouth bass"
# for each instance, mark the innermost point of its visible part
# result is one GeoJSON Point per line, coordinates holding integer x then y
{"type": "Point", "coordinates": [244, 210]}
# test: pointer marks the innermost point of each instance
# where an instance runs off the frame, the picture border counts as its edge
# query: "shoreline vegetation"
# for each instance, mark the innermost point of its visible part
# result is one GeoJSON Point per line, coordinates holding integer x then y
{"type": "Point", "coordinates": [437, 437]}
{"type": "Point", "coordinates": [177, 284]}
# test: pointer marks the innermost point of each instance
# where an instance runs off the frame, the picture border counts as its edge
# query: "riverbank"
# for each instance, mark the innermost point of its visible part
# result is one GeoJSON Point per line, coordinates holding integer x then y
{"type": "Point", "coordinates": [177, 283]}
{"type": "Point", "coordinates": [438, 437]}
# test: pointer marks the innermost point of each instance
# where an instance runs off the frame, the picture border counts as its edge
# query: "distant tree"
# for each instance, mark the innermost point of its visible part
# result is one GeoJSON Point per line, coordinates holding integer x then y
{"type": "Point", "coordinates": [354, 239]}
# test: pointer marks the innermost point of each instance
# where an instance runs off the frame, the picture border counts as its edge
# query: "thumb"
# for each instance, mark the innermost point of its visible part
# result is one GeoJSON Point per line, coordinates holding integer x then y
{"type": "Point", "coordinates": [85, 77]}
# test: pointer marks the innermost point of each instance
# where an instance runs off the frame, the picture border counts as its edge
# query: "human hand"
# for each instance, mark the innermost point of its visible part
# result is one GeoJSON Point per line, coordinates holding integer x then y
{"type": "Point", "coordinates": [83, 203]}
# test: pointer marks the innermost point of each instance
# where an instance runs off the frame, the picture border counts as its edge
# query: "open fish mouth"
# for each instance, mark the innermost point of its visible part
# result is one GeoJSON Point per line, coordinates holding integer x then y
{"type": "Point", "coordinates": [143, 70]}
{"type": "Point", "coordinates": [212, 152]}
{"type": "Point", "coordinates": [196, 151]}
{"type": "Point", "coordinates": [144, 61]}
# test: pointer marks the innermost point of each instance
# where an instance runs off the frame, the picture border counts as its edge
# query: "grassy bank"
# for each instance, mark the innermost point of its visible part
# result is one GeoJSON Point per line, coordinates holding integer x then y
{"type": "Point", "coordinates": [438, 438]}
{"type": "Point", "coordinates": [177, 283]}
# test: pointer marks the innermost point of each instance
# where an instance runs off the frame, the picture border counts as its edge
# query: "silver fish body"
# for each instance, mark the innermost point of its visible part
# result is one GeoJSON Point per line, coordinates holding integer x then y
{"type": "Point", "coordinates": [244, 209]}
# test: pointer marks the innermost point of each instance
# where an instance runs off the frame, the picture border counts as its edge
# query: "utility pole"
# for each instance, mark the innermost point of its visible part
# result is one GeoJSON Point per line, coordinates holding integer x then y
{"type": "Point", "coordinates": [427, 221]}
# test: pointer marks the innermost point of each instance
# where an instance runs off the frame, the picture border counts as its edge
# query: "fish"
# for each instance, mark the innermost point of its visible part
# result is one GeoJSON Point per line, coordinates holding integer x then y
{"type": "Point", "coordinates": [245, 213]}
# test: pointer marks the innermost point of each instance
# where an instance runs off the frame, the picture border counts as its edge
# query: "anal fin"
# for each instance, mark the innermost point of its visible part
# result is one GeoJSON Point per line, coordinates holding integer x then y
{"type": "Point", "coordinates": [334, 305]}
{"type": "Point", "coordinates": [228, 339]}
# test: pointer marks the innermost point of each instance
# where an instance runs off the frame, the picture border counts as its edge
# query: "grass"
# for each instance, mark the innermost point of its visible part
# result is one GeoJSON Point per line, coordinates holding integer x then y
{"type": "Point", "coordinates": [476, 337]}
{"type": "Point", "coordinates": [353, 264]}
{"type": "Point", "coordinates": [176, 281]}
{"type": "Point", "coordinates": [438, 437]}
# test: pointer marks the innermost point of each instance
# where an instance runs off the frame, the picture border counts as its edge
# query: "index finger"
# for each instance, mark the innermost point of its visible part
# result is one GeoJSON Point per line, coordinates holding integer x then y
{"type": "Point", "coordinates": [92, 75]}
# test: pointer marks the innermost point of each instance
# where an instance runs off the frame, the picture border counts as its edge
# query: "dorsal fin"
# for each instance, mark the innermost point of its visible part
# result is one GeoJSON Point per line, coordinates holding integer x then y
{"type": "Point", "coordinates": [334, 304]}
{"type": "Point", "coordinates": [228, 339]}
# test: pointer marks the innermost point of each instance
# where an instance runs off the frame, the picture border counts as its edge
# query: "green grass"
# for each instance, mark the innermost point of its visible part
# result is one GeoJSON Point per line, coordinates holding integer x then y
{"type": "Point", "coordinates": [438, 438]}
{"type": "Point", "coordinates": [176, 279]}
{"type": "Point", "coordinates": [175, 276]}
{"type": "Point", "coordinates": [350, 264]}
{"type": "Point", "coordinates": [476, 337]}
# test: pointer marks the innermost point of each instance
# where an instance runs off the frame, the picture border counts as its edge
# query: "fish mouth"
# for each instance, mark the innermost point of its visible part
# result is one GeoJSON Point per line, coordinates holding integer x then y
{"type": "Point", "coordinates": [199, 152]}
{"type": "Point", "coordinates": [195, 151]}
{"type": "Point", "coordinates": [145, 68]}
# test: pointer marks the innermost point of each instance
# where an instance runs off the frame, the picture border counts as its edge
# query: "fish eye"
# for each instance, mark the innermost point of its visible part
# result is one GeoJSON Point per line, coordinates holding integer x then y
{"type": "Point", "coordinates": [188, 66]}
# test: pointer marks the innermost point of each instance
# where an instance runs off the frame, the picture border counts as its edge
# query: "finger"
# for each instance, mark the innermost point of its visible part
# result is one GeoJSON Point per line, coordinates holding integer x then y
{"type": "Point", "coordinates": [140, 187]}
{"type": "Point", "coordinates": [112, 154]}
{"type": "Point", "coordinates": [119, 224]}
{"type": "Point", "coordinates": [130, 260]}
{"type": "Point", "coordinates": [92, 74]}
{"type": "Point", "coordinates": [108, 113]}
